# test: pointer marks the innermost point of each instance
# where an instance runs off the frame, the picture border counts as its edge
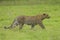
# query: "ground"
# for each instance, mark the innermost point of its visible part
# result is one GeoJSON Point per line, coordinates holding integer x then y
{"type": "Point", "coordinates": [52, 31]}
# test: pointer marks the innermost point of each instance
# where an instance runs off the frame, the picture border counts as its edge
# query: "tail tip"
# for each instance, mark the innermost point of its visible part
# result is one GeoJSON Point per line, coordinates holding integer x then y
{"type": "Point", "coordinates": [5, 27]}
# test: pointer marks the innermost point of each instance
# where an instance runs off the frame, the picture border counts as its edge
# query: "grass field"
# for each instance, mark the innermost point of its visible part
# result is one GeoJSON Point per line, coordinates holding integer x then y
{"type": "Point", "coordinates": [52, 32]}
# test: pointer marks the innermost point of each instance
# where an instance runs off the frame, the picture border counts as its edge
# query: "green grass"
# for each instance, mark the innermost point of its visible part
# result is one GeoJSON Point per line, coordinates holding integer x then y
{"type": "Point", "coordinates": [52, 32]}
{"type": "Point", "coordinates": [29, 2]}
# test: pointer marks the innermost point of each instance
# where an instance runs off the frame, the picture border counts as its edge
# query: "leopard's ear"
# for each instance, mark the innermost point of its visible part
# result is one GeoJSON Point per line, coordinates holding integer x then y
{"type": "Point", "coordinates": [44, 14]}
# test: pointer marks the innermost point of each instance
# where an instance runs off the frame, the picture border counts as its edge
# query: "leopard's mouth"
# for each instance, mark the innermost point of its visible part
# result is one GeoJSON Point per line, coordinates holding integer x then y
{"type": "Point", "coordinates": [48, 17]}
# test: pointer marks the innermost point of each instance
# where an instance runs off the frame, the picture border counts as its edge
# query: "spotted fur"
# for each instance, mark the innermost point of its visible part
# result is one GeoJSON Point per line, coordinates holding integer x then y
{"type": "Point", "coordinates": [29, 20]}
